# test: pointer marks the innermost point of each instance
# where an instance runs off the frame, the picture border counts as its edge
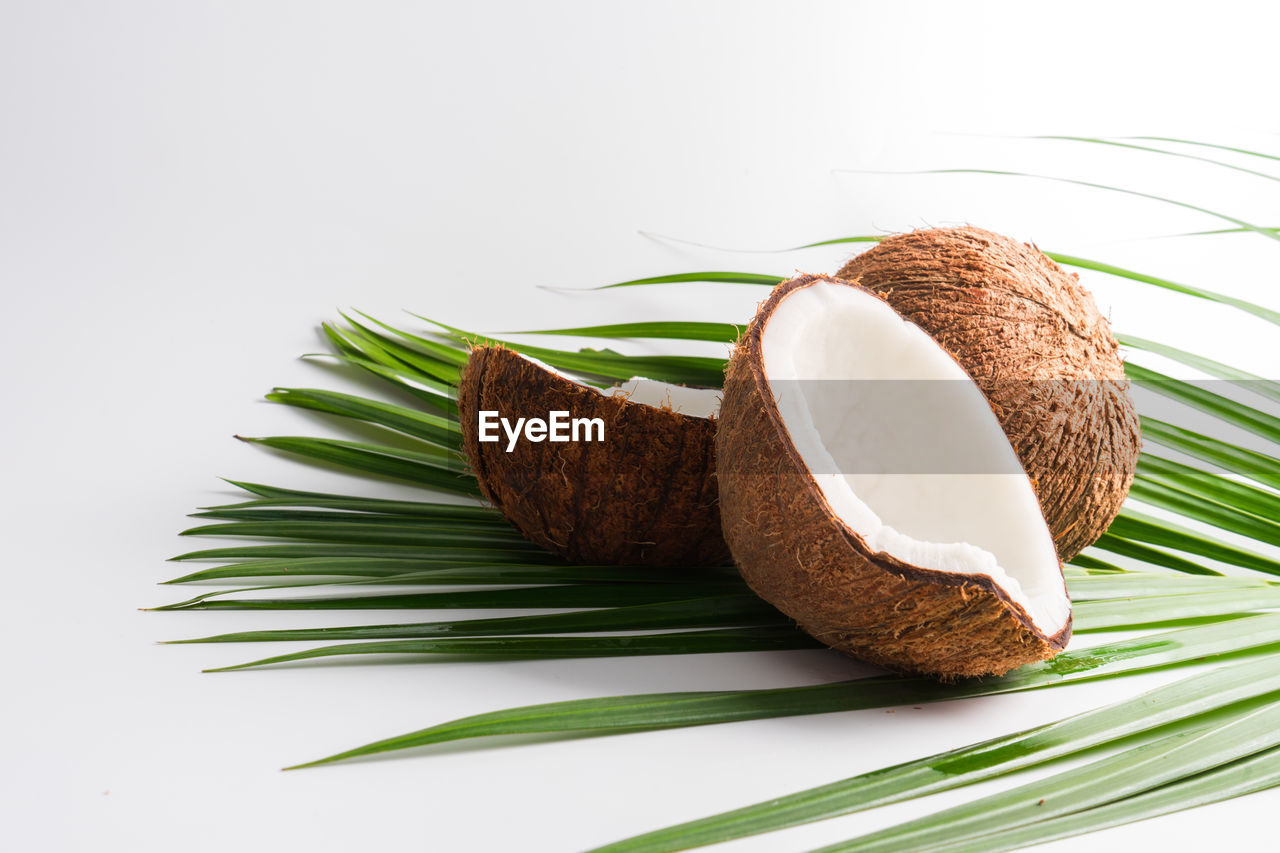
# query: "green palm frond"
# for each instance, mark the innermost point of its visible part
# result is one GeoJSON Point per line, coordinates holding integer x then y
{"type": "Point", "coordinates": [715, 277]}
{"type": "Point", "coordinates": [1238, 460]}
{"type": "Point", "coordinates": [523, 597]}
{"type": "Point", "coordinates": [1187, 700]}
{"type": "Point", "coordinates": [1061, 258]}
{"type": "Point", "coordinates": [677, 643]}
{"type": "Point", "coordinates": [1194, 597]}
{"type": "Point", "coordinates": [720, 332]}
{"type": "Point", "coordinates": [1240, 223]}
{"type": "Point", "coordinates": [1251, 634]}
{"type": "Point", "coordinates": [1200, 144]}
{"type": "Point", "coordinates": [717, 611]}
{"type": "Point", "coordinates": [1194, 748]}
{"type": "Point", "coordinates": [1117, 143]}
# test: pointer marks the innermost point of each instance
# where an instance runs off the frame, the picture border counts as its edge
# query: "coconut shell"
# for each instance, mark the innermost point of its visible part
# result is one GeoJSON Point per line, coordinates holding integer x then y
{"type": "Point", "coordinates": [1033, 339]}
{"type": "Point", "coordinates": [645, 495]}
{"type": "Point", "coordinates": [794, 552]}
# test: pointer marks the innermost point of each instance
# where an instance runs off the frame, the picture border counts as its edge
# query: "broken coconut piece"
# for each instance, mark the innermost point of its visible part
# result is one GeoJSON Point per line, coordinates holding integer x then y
{"type": "Point", "coordinates": [945, 568]}
{"type": "Point", "coordinates": [1032, 338]}
{"type": "Point", "coordinates": [641, 493]}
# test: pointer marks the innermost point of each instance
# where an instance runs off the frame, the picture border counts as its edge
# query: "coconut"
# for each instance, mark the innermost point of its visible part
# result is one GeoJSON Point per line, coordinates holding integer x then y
{"type": "Point", "coordinates": [643, 492]}
{"type": "Point", "coordinates": [1032, 338]}
{"type": "Point", "coordinates": [946, 567]}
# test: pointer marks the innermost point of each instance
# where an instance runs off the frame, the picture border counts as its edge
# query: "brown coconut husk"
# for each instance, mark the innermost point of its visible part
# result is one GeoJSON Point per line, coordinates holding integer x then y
{"type": "Point", "coordinates": [646, 495]}
{"type": "Point", "coordinates": [1032, 338]}
{"type": "Point", "coordinates": [797, 554]}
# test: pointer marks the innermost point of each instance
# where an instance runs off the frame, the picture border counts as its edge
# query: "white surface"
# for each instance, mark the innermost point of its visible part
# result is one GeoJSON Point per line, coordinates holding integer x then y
{"type": "Point", "coordinates": [187, 189]}
{"type": "Point", "coordinates": [842, 366]}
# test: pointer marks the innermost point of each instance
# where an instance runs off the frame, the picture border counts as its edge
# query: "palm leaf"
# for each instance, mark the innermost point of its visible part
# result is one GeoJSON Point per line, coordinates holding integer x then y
{"type": "Point", "coordinates": [1157, 610]}
{"type": "Point", "coordinates": [1130, 524]}
{"type": "Point", "coordinates": [537, 569]}
{"type": "Point", "coordinates": [1241, 223]}
{"type": "Point", "coordinates": [718, 611]}
{"type": "Point", "coordinates": [715, 277]}
{"type": "Point", "coordinates": [1200, 144]}
{"type": "Point", "coordinates": [567, 595]}
{"type": "Point", "coordinates": [1223, 408]}
{"type": "Point", "coordinates": [681, 369]}
{"type": "Point", "coordinates": [1115, 143]}
{"type": "Point", "coordinates": [275, 496]}
{"type": "Point", "coordinates": [722, 332]}
{"type": "Point", "coordinates": [1212, 487]}
{"type": "Point", "coordinates": [675, 710]}
{"type": "Point", "coordinates": [679, 643]}
{"type": "Point", "coordinates": [1242, 378]}
{"type": "Point", "coordinates": [1209, 741]}
{"type": "Point", "coordinates": [1195, 749]}
{"type": "Point", "coordinates": [1183, 700]}
{"type": "Point", "coordinates": [368, 531]}
{"type": "Point", "coordinates": [1065, 259]}
{"type": "Point", "coordinates": [1234, 779]}
{"type": "Point", "coordinates": [1186, 289]}
{"type": "Point", "coordinates": [1205, 507]}
{"type": "Point", "coordinates": [439, 431]}
{"type": "Point", "coordinates": [1114, 544]}
{"type": "Point", "coordinates": [442, 471]}
{"type": "Point", "coordinates": [1089, 586]}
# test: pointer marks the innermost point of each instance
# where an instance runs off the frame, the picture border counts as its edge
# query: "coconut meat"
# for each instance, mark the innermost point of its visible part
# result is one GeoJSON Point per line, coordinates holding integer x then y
{"type": "Point", "coordinates": [695, 402]}
{"type": "Point", "coordinates": [904, 446]}
{"type": "Point", "coordinates": [682, 399]}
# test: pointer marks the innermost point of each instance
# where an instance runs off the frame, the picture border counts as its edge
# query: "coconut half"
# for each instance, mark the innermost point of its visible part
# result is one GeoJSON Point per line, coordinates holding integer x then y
{"type": "Point", "coordinates": [644, 495]}
{"type": "Point", "coordinates": [945, 567]}
{"type": "Point", "coordinates": [1033, 339]}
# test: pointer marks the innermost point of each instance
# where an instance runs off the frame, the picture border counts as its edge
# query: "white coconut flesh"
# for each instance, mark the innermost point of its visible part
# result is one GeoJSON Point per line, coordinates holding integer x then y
{"type": "Point", "coordinates": [904, 446]}
{"type": "Point", "coordinates": [695, 402]}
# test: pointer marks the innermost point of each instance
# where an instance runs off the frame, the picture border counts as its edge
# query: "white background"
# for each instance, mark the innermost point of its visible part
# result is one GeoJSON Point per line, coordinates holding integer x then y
{"type": "Point", "coordinates": [188, 189]}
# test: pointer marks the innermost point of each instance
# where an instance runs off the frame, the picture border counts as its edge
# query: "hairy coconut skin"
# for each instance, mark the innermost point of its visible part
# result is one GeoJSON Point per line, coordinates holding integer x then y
{"type": "Point", "coordinates": [798, 555]}
{"type": "Point", "coordinates": [646, 495]}
{"type": "Point", "coordinates": [1032, 338]}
